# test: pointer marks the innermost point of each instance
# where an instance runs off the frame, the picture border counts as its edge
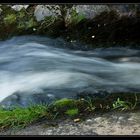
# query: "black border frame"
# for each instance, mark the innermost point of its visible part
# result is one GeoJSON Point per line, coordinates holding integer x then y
{"type": "Point", "coordinates": [80, 2]}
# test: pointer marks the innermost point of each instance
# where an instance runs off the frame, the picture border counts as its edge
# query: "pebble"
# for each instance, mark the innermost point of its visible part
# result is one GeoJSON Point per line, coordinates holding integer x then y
{"type": "Point", "coordinates": [76, 120]}
{"type": "Point", "coordinates": [89, 120]}
{"type": "Point", "coordinates": [98, 119]}
{"type": "Point", "coordinates": [120, 118]}
{"type": "Point", "coordinates": [130, 119]}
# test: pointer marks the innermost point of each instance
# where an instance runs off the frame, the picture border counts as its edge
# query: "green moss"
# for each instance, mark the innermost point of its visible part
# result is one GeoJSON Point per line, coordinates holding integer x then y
{"type": "Point", "coordinates": [22, 13]}
{"type": "Point", "coordinates": [108, 27]}
{"type": "Point", "coordinates": [75, 17]}
{"type": "Point", "coordinates": [21, 117]}
{"type": "Point", "coordinates": [72, 112]}
{"type": "Point", "coordinates": [31, 23]}
{"type": "Point", "coordinates": [10, 18]}
{"type": "Point", "coordinates": [64, 103]}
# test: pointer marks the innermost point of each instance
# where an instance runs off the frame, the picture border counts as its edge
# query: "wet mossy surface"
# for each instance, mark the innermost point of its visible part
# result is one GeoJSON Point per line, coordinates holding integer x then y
{"type": "Point", "coordinates": [68, 108]}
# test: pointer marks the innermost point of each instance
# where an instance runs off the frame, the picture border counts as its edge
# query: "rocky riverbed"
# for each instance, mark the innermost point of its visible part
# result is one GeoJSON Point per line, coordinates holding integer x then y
{"type": "Point", "coordinates": [112, 123]}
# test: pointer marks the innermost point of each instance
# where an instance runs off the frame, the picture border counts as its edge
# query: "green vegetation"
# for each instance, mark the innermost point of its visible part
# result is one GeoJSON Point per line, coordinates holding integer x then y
{"type": "Point", "coordinates": [107, 27]}
{"type": "Point", "coordinates": [73, 108]}
{"type": "Point", "coordinates": [125, 105]}
{"type": "Point", "coordinates": [14, 23]}
{"type": "Point", "coordinates": [10, 18]}
{"type": "Point", "coordinates": [72, 112]}
{"type": "Point", "coordinates": [76, 17]}
{"type": "Point", "coordinates": [90, 104]}
{"type": "Point", "coordinates": [122, 105]}
{"type": "Point", "coordinates": [21, 117]}
{"type": "Point", "coordinates": [64, 103]}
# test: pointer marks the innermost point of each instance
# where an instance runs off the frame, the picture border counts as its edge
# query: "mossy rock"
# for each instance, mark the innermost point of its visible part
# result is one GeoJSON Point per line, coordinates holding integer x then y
{"type": "Point", "coordinates": [64, 104]}
{"type": "Point", "coordinates": [7, 10]}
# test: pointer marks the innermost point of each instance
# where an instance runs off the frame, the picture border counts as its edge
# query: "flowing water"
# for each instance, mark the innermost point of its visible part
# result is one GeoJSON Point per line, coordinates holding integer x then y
{"type": "Point", "coordinates": [35, 69]}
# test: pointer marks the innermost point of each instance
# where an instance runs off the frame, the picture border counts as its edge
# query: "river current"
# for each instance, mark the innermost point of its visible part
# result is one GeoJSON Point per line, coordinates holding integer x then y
{"type": "Point", "coordinates": [35, 69]}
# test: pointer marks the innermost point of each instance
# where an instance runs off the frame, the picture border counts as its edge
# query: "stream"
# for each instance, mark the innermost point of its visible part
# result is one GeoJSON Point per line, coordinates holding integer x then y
{"type": "Point", "coordinates": [36, 69]}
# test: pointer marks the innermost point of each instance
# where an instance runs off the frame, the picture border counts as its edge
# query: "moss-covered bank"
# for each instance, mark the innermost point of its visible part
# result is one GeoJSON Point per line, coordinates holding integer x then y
{"type": "Point", "coordinates": [108, 28]}
{"type": "Point", "coordinates": [73, 108]}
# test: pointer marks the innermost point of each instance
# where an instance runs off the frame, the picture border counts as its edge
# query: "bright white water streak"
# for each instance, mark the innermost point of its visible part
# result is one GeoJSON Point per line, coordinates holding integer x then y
{"type": "Point", "coordinates": [34, 66]}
